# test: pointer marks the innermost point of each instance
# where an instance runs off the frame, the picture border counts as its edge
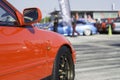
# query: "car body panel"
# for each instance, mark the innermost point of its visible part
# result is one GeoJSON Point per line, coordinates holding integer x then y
{"type": "Point", "coordinates": [26, 52]}
{"type": "Point", "coordinates": [81, 27]}
{"type": "Point", "coordinates": [19, 52]}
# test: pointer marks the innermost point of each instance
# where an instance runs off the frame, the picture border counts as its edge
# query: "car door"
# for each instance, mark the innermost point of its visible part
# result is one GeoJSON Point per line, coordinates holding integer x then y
{"type": "Point", "coordinates": [22, 56]}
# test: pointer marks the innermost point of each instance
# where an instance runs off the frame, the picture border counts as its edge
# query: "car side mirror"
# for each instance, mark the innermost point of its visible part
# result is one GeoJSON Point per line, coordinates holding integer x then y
{"type": "Point", "coordinates": [31, 15]}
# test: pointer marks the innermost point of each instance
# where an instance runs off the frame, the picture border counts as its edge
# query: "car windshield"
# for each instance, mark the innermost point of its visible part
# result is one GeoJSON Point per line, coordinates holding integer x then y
{"type": "Point", "coordinates": [81, 22]}
{"type": "Point", "coordinates": [63, 23]}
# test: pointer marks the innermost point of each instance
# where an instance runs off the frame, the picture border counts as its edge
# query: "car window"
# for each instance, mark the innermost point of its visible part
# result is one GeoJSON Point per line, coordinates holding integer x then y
{"type": "Point", "coordinates": [6, 18]}
{"type": "Point", "coordinates": [81, 22]}
{"type": "Point", "coordinates": [103, 20]}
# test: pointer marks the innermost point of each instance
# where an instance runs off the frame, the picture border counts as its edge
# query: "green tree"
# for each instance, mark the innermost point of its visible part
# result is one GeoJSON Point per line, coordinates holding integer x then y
{"type": "Point", "coordinates": [45, 20]}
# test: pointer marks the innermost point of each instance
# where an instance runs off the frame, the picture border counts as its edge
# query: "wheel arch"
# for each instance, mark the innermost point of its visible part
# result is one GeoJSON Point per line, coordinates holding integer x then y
{"type": "Point", "coordinates": [61, 47]}
{"type": "Point", "coordinates": [72, 51]}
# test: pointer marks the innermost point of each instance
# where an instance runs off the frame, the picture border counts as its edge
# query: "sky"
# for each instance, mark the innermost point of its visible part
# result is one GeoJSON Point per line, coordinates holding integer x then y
{"type": "Point", "coordinates": [47, 6]}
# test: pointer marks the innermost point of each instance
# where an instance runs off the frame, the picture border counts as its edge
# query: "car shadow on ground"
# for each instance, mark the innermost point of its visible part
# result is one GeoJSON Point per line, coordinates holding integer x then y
{"type": "Point", "coordinates": [116, 45]}
{"type": "Point", "coordinates": [47, 78]}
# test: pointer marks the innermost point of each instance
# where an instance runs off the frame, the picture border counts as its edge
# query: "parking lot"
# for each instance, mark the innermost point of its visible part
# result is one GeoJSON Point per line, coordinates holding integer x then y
{"type": "Point", "coordinates": [97, 57]}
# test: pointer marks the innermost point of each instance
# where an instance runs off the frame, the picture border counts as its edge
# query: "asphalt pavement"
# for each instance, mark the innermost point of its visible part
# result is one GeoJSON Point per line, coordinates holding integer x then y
{"type": "Point", "coordinates": [97, 57]}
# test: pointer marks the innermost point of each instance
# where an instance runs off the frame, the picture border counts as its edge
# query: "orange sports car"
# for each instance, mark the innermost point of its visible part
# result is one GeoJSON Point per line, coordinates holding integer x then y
{"type": "Point", "coordinates": [27, 53]}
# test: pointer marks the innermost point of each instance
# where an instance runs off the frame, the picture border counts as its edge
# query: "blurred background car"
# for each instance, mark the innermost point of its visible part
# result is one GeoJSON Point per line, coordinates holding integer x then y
{"type": "Point", "coordinates": [83, 27]}
{"type": "Point", "coordinates": [117, 25]}
{"type": "Point", "coordinates": [104, 24]}
{"type": "Point", "coordinates": [63, 28]}
{"type": "Point", "coordinates": [86, 28]}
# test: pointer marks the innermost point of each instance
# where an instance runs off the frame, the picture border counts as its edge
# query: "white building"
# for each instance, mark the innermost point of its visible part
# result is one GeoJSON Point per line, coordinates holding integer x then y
{"type": "Point", "coordinates": [96, 8]}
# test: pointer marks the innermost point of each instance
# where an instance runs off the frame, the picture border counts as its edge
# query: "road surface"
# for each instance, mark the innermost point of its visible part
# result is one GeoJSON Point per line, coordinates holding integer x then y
{"type": "Point", "coordinates": [97, 57]}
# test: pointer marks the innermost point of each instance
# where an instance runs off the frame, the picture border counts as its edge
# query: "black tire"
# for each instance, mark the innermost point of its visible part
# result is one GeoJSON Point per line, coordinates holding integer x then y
{"type": "Point", "coordinates": [63, 65]}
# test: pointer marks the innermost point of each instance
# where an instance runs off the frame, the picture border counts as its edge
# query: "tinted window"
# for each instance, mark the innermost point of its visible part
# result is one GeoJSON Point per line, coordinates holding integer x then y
{"type": "Point", "coordinates": [63, 24]}
{"type": "Point", "coordinates": [81, 22]}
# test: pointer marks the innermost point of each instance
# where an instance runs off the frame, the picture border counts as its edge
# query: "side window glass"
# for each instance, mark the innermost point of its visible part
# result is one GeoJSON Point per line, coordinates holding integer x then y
{"type": "Point", "coordinates": [81, 22]}
{"type": "Point", "coordinates": [6, 19]}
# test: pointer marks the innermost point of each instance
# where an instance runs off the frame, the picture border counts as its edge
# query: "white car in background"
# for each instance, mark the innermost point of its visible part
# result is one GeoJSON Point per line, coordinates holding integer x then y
{"type": "Point", "coordinates": [117, 25]}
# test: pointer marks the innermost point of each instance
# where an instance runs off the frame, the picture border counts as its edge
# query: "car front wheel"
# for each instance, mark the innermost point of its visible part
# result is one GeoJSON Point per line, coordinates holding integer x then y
{"type": "Point", "coordinates": [63, 65]}
{"type": "Point", "coordinates": [87, 32]}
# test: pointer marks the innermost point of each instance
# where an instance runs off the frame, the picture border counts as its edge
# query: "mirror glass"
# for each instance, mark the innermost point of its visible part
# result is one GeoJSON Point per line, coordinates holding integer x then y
{"type": "Point", "coordinates": [30, 15]}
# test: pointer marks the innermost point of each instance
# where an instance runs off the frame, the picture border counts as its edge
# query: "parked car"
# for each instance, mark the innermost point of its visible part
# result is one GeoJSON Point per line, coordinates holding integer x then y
{"type": "Point", "coordinates": [63, 28]}
{"type": "Point", "coordinates": [86, 28]}
{"type": "Point", "coordinates": [27, 53]}
{"type": "Point", "coordinates": [104, 24]}
{"type": "Point", "coordinates": [117, 25]}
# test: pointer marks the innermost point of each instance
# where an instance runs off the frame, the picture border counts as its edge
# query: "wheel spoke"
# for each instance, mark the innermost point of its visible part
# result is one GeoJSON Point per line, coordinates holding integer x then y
{"type": "Point", "coordinates": [64, 68]}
